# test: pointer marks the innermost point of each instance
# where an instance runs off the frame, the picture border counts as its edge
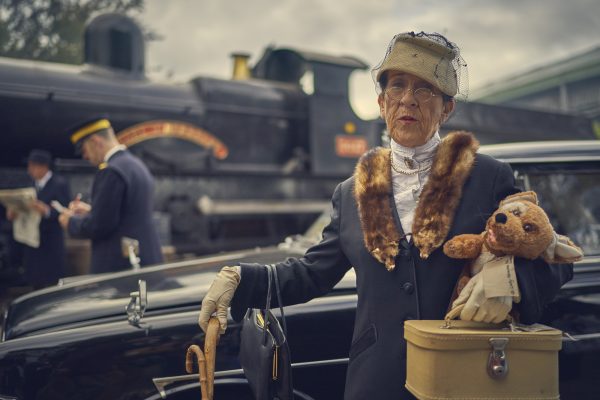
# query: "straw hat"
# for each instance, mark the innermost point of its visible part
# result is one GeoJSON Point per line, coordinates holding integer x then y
{"type": "Point", "coordinates": [423, 57]}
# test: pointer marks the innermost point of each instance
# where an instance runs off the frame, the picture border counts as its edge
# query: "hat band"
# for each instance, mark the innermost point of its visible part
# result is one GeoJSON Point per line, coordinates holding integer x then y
{"type": "Point", "coordinates": [89, 129]}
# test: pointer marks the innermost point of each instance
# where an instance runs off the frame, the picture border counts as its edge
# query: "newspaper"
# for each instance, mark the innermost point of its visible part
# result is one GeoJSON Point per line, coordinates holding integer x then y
{"type": "Point", "coordinates": [26, 226]}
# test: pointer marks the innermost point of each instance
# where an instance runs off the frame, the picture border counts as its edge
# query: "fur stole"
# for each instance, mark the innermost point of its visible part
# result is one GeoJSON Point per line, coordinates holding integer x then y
{"type": "Point", "coordinates": [435, 210]}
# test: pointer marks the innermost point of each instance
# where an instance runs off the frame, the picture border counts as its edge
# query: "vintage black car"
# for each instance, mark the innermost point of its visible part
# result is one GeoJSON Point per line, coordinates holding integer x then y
{"type": "Point", "coordinates": [77, 341]}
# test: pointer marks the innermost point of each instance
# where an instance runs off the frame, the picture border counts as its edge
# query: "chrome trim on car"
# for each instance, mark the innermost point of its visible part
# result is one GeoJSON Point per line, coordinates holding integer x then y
{"type": "Point", "coordinates": [336, 361]}
{"type": "Point", "coordinates": [137, 304]}
{"type": "Point", "coordinates": [161, 383]}
{"type": "Point", "coordinates": [585, 336]}
{"type": "Point", "coordinates": [208, 206]}
{"type": "Point", "coordinates": [544, 151]}
{"type": "Point", "coordinates": [584, 269]}
{"type": "Point", "coordinates": [547, 159]}
{"type": "Point", "coordinates": [195, 385]}
{"type": "Point", "coordinates": [3, 325]}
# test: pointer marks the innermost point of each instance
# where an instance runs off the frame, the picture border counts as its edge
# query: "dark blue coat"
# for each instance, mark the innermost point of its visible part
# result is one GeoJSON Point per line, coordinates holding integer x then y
{"type": "Point", "coordinates": [122, 204]}
{"type": "Point", "coordinates": [415, 289]}
{"type": "Point", "coordinates": [46, 264]}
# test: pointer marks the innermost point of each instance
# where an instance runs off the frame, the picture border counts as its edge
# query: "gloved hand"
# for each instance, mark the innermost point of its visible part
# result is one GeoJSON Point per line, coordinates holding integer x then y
{"type": "Point", "coordinates": [218, 298]}
{"type": "Point", "coordinates": [479, 308]}
{"type": "Point", "coordinates": [489, 295]}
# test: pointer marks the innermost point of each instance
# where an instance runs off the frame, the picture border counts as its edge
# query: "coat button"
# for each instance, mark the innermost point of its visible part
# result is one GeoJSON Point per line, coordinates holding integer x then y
{"type": "Point", "coordinates": [408, 287]}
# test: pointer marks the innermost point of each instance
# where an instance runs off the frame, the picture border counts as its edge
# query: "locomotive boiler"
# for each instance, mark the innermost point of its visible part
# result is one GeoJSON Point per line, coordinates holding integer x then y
{"type": "Point", "coordinates": [238, 162]}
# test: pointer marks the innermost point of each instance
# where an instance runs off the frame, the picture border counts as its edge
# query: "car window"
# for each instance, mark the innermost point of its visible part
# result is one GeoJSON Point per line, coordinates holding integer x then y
{"type": "Point", "coordinates": [572, 201]}
{"type": "Point", "coordinates": [315, 231]}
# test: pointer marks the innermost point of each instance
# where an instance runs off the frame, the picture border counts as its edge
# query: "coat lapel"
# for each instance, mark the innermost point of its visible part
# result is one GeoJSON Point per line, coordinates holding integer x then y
{"type": "Point", "coordinates": [437, 204]}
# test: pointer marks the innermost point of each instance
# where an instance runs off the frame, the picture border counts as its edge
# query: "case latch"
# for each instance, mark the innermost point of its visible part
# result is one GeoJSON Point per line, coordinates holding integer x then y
{"type": "Point", "coordinates": [497, 366]}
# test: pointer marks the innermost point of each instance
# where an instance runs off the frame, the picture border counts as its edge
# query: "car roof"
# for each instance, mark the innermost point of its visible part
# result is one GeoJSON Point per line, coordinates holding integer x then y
{"type": "Point", "coordinates": [547, 151]}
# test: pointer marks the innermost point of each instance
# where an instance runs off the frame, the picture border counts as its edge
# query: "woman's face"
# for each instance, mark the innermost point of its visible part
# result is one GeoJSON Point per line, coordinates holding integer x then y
{"type": "Point", "coordinates": [411, 116]}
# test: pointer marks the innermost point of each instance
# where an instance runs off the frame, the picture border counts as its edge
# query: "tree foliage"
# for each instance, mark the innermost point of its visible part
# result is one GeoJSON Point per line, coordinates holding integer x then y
{"type": "Point", "coordinates": [52, 30]}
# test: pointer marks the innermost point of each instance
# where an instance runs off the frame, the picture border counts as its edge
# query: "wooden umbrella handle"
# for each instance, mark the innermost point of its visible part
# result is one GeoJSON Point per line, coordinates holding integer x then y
{"type": "Point", "coordinates": [189, 367]}
{"type": "Point", "coordinates": [206, 359]}
{"type": "Point", "coordinates": [210, 352]}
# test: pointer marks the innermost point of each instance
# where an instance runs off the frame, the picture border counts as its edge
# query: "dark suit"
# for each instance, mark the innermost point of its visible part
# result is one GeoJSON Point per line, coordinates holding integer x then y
{"type": "Point", "coordinates": [414, 289]}
{"type": "Point", "coordinates": [46, 264]}
{"type": "Point", "coordinates": [122, 206]}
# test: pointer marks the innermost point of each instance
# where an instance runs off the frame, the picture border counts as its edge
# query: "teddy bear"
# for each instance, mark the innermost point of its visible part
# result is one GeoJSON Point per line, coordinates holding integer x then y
{"type": "Point", "coordinates": [518, 228]}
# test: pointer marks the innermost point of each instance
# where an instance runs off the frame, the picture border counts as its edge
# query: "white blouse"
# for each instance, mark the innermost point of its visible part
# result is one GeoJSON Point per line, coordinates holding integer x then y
{"type": "Point", "coordinates": [410, 170]}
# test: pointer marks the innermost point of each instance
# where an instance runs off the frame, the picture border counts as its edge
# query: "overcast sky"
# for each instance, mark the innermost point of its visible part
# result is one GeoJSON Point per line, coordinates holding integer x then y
{"type": "Point", "coordinates": [498, 38]}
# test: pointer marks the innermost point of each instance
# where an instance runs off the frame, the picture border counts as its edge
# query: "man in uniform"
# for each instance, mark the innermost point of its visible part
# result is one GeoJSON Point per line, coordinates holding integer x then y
{"type": "Point", "coordinates": [122, 201]}
{"type": "Point", "coordinates": [44, 265]}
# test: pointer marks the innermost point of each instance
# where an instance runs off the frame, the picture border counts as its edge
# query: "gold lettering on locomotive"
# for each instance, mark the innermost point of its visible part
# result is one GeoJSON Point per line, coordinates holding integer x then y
{"type": "Point", "coordinates": [181, 130]}
{"type": "Point", "coordinates": [350, 146]}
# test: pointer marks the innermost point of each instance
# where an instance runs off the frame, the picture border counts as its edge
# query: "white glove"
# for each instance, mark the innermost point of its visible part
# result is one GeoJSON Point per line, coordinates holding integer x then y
{"type": "Point", "coordinates": [489, 295]}
{"type": "Point", "coordinates": [218, 298]}
{"type": "Point", "coordinates": [479, 308]}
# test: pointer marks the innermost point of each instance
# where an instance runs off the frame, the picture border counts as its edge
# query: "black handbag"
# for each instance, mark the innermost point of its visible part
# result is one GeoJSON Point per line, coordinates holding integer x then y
{"type": "Point", "coordinates": [264, 350]}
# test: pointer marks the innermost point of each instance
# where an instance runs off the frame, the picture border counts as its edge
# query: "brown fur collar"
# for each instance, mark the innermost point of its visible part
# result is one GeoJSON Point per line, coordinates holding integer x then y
{"type": "Point", "coordinates": [434, 213]}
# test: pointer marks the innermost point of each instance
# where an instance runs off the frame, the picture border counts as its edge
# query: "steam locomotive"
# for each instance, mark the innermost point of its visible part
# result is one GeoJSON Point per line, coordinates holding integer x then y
{"type": "Point", "coordinates": [237, 162]}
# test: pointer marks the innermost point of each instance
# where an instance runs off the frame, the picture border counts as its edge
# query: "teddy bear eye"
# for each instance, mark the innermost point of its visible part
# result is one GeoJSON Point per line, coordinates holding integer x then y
{"type": "Point", "coordinates": [528, 227]}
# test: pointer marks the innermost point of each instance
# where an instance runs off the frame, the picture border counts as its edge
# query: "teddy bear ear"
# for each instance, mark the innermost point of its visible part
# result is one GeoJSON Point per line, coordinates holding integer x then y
{"type": "Point", "coordinates": [530, 196]}
{"type": "Point", "coordinates": [562, 250]}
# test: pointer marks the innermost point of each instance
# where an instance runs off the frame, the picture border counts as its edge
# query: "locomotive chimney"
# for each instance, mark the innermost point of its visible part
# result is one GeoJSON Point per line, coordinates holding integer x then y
{"type": "Point", "coordinates": [115, 41]}
{"type": "Point", "coordinates": [240, 66]}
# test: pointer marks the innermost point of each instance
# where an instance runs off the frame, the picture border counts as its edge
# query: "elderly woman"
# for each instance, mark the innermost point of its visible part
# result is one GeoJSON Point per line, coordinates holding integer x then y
{"type": "Point", "coordinates": [390, 220]}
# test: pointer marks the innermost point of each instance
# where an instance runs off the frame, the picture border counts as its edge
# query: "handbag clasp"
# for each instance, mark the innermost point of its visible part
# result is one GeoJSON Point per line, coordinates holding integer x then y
{"type": "Point", "coordinates": [497, 366]}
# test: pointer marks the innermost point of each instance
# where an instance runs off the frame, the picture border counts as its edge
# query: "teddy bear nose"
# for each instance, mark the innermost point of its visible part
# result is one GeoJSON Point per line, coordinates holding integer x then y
{"type": "Point", "coordinates": [501, 218]}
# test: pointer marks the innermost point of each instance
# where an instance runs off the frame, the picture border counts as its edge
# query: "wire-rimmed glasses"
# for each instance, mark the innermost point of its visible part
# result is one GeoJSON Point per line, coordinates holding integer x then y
{"type": "Point", "coordinates": [422, 94]}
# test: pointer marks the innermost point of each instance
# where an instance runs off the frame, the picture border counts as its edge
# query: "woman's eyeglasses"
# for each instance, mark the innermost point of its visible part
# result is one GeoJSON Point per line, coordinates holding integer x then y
{"type": "Point", "coordinates": [422, 95]}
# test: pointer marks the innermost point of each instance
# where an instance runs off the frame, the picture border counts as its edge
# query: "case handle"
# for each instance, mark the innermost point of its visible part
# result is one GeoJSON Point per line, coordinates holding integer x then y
{"type": "Point", "coordinates": [455, 313]}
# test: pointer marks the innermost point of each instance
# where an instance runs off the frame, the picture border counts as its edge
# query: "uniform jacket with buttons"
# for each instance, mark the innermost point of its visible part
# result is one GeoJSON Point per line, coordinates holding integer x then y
{"type": "Point", "coordinates": [122, 204]}
{"type": "Point", "coordinates": [397, 279]}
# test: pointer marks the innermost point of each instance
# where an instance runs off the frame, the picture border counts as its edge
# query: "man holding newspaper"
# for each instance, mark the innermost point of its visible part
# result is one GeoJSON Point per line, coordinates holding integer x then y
{"type": "Point", "coordinates": [35, 222]}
